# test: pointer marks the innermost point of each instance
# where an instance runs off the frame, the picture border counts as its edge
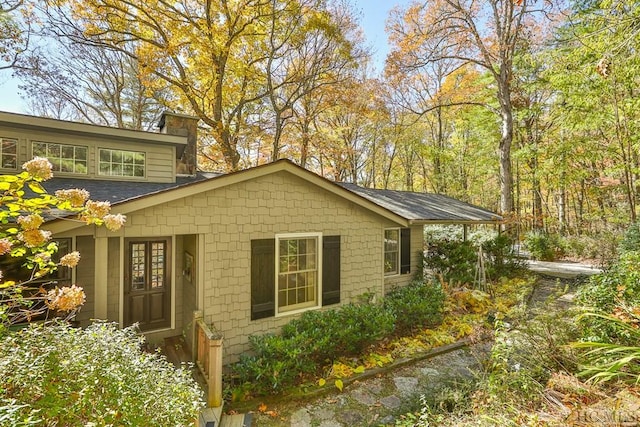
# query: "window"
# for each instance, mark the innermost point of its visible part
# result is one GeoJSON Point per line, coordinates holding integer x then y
{"type": "Point", "coordinates": [8, 153]}
{"type": "Point", "coordinates": [121, 163]}
{"type": "Point", "coordinates": [63, 157]}
{"type": "Point", "coordinates": [391, 251]}
{"type": "Point", "coordinates": [305, 275]}
{"type": "Point", "coordinates": [397, 251]}
{"type": "Point", "coordinates": [297, 272]}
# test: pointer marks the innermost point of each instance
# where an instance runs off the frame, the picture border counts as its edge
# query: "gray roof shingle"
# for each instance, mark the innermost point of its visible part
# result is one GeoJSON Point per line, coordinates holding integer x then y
{"type": "Point", "coordinates": [120, 191]}
{"type": "Point", "coordinates": [425, 207]}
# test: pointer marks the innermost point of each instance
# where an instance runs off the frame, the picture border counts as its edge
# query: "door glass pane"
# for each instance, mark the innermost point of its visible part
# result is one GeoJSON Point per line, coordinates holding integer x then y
{"type": "Point", "coordinates": [157, 265]}
{"type": "Point", "coordinates": [137, 266]}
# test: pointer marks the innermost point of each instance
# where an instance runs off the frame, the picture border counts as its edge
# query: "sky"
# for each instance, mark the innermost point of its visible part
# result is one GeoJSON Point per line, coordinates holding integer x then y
{"type": "Point", "coordinates": [373, 15]}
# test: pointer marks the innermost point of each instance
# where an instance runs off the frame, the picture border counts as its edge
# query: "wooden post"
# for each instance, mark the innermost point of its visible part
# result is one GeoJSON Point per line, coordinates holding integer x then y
{"type": "Point", "coordinates": [214, 398]}
{"type": "Point", "coordinates": [197, 315]}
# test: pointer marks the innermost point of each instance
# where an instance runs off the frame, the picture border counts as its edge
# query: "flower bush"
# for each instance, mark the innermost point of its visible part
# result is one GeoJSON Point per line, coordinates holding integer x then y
{"type": "Point", "coordinates": [57, 375]}
{"type": "Point", "coordinates": [23, 242]}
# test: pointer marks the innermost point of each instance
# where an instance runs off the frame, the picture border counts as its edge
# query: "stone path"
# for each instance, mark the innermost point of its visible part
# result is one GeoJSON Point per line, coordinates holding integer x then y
{"type": "Point", "coordinates": [374, 401]}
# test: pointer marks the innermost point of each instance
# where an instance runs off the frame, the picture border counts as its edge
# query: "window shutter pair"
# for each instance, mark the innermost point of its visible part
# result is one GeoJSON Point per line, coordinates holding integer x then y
{"type": "Point", "coordinates": [263, 265]}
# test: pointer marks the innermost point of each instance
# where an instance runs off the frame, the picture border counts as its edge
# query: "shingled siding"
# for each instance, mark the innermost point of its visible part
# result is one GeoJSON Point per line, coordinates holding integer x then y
{"type": "Point", "coordinates": [230, 217]}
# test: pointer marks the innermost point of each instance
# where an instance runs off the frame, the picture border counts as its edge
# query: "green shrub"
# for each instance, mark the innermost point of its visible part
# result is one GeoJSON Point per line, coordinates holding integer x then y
{"type": "Point", "coordinates": [345, 331]}
{"type": "Point", "coordinates": [312, 341]}
{"type": "Point", "coordinates": [415, 306]}
{"type": "Point", "coordinates": [543, 246]}
{"type": "Point", "coordinates": [454, 260]}
{"type": "Point", "coordinates": [604, 293]}
{"type": "Point", "coordinates": [276, 363]}
{"type": "Point", "coordinates": [631, 239]}
{"type": "Point", "coordinates": [603, 248]}
{"type": "Point", "coordinates": [58, 375]}
{"type": "Point", "coordinates": [502, 262]}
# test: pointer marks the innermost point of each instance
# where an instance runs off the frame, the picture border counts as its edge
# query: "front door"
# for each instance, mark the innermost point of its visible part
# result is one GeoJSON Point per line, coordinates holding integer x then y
{"type": "Point", "coordinates": [148, 285]}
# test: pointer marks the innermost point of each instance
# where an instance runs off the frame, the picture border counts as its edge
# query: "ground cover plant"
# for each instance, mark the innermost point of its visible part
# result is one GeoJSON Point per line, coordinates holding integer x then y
{"type": "Point", "coordinates": [325, 347]}
{"type": "Point", "coordinates": [57, 375]}
{"type": "Point", "coordinates": [571, 367]}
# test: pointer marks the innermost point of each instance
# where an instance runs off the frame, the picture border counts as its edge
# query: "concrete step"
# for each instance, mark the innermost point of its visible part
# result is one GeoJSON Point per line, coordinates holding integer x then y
{"type": "Point", "coordinates": [210, 417]}
{"type": "Point", "coordinates": [236, 420]}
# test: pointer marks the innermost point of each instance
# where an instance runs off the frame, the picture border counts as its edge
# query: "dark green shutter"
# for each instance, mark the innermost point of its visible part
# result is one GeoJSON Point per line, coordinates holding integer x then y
{"type": "Point", "coordinates": [263, 276]}
{"type": "Point", "coordinates": [405, 250]}
{"type": "Point", "coordinates": [330, 270]}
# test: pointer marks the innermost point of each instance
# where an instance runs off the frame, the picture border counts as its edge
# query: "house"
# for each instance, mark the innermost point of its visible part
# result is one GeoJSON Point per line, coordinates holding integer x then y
{"type": "Point", "coordinates": [248, 249]}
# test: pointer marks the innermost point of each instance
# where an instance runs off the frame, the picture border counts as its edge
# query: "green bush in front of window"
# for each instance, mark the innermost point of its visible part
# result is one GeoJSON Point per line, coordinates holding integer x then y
{"type": "Point", "coordinates": [311, 343]}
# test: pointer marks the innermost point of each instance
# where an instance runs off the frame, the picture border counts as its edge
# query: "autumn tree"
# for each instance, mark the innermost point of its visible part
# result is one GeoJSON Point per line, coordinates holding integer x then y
{"type": "Point", "coordinates": [15, 24]}
{"type": "Point", "coordinates": [221, 59]}
{"type": "Point", "coordinates": [348, 130]}
{"type": "Point", "coordinates": [593, 74]}
{"type": "Point", "coordinates": [81, 82]}
{"type": "Point", "coordinates": [316, 50]}
{"type": "Point", "coordinates": [467, 32]}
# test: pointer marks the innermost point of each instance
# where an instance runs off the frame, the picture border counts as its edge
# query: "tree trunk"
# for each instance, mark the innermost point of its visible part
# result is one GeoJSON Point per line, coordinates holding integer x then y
{"type": "Point", "coordinates": [504, 152]}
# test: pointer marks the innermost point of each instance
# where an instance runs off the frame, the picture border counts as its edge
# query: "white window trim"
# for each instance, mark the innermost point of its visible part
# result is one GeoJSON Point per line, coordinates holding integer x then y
{"type": "Point", "coordinates": [278, 237]}
{"type": "Point", "coordinates": [146, 156]}
{"type": "Point", "coordinates": [60, 172]}
{"type": "Point", "coordinates": [2, 140]}
{"type": "Point", "coordinates": [397, 271]}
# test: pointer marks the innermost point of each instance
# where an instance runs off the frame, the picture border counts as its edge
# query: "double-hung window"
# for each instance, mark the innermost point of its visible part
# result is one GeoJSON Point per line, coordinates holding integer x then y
{"type": "Point", "coordinates": [391, 251]}
{"type": "Point", "coordinates": [298, 271]}
{"type": "Point", "coordinates": [294, 272]}
{"type": "Point", "coordinates": [397, 251]}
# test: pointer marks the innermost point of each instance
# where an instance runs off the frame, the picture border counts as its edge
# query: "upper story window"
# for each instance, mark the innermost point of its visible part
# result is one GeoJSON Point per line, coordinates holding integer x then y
{"type": "Point", "coordinates": [8, 153]}
{"type": "Point", "coordinates": [121, 163]}
{"type": "Point", "coordinates": [63, 157]}
{"type": "Point", "coordinates": [391, 251]}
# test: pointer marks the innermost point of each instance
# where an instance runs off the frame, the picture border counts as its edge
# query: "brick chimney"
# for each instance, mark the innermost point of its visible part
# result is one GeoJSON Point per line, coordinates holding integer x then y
{"type": "Point", "coordinates": [182, 125]}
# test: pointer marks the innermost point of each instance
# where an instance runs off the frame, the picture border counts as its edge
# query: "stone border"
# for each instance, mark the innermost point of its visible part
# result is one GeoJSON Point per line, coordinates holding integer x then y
{"type": "Point", "coordinates": [369, 373]}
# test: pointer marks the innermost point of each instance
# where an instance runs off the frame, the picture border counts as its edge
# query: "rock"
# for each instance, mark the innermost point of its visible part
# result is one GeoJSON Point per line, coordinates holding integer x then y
{"type": "Point", "coordinates": [406, 385]}
{"type": "Point", "coordinates": [364, 397]}
{"type": "Point", "coordinates": [301, 418]}
{"type": "Point", "coordinates": [323, 413]}
{"type": "Point", "coordinates": [391, 402]}
{"type": "Point", "coordinates": [350, 418]}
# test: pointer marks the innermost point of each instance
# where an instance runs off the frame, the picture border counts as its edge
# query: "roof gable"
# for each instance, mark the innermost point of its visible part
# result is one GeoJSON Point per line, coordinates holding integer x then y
{"type": "Point", "coordinates": [400, 207]}
{"type": "Point", "coordinates": [128, 197]}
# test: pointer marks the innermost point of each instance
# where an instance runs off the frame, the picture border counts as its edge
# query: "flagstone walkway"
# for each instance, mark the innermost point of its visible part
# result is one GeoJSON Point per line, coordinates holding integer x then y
{"type": "Point", "coordinates": [374, 401]}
